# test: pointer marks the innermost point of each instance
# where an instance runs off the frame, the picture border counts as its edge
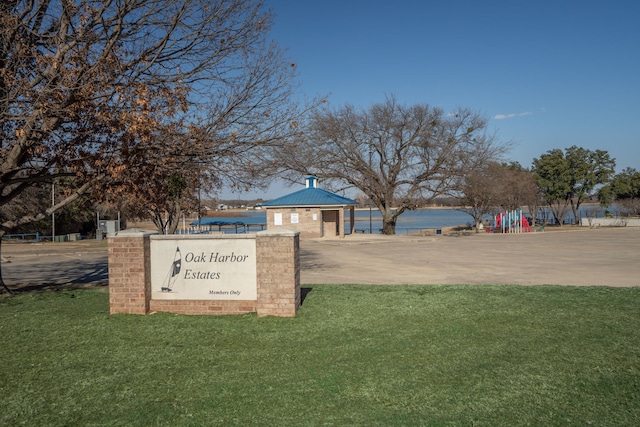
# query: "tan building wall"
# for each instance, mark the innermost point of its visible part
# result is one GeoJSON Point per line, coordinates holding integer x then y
{"type": "Point", "coordinates": [310, 222]}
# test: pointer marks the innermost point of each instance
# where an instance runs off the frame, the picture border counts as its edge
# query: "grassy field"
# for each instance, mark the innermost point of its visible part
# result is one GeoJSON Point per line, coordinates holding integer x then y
{"type": "Point", "coordinates": [354, 355]}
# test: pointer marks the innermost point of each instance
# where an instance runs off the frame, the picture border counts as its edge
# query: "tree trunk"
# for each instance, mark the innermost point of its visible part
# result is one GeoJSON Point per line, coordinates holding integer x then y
{"type": "Point", "coordinates": [389, 226]}
{"type": "Point", "coordinates": [4, 285]}
{"type": "Point", "coordinates": [174, 218]}
{"type": "Point", "coordinates": [559, 210]}
{"type": "Point", "coordinates": [575, 208]}
{"type": "Point", "coordinates": [158, 221]}
{"type": "Point", "coordinates": [533, 212]}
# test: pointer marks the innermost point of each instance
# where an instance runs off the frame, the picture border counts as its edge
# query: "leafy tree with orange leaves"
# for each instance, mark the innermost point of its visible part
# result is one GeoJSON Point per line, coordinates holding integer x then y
{"type": "Point", "coordinates": [116, 97]}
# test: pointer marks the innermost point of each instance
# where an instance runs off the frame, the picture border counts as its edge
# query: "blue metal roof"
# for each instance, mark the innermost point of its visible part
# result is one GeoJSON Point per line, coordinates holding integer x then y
{"type": "Point", "coordinates": [310, 196]}
{"type": "Point", "coordinates": [229, 221]}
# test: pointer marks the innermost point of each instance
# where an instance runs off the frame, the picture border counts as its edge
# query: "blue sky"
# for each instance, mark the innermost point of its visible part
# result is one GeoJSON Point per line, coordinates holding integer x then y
{"type": "Point", "coordinates": [548, 74]}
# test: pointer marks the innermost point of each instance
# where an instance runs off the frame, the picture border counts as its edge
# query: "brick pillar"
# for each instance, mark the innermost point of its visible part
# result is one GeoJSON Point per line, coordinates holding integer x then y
{"type": "Point", "coordinates": [130, 271]}
{"type": "Point", "coordinates": [278, 272]}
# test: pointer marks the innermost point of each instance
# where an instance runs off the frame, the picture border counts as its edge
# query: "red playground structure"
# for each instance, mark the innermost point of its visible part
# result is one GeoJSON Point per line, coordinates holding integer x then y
{"type": "Point", "coordinates": [511, 222]}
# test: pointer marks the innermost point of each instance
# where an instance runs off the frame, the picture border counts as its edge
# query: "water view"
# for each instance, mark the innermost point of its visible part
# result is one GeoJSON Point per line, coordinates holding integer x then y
{"type": "Point", "coordinates": [408, 222]}
{"type": "Point", "coordinates": [412, 221]}
{"type": "Point", "coordinates": [366, 221]}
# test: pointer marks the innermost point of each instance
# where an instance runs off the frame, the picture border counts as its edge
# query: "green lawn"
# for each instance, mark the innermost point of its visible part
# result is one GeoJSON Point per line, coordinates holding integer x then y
{"type": "Point", "coordinates": [354, 355]}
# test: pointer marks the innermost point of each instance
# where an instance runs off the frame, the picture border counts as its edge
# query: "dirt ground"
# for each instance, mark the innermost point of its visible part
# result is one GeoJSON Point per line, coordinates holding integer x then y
{"type": "Point", "coordinates": [573, 256]}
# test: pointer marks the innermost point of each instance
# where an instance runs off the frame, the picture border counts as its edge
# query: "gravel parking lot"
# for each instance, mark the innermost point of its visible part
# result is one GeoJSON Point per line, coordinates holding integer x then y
{"type": "Point", "coordinates": [577, 256]}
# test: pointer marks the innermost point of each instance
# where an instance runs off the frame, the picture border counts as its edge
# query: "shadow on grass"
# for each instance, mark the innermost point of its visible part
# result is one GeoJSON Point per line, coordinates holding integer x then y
{"type": "Point", "coordinates": [303, 294]}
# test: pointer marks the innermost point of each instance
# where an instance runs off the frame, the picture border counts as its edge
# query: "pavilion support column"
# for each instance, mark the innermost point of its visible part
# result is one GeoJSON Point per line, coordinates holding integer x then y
{"type": "Point", "coordinates": [352, 220]}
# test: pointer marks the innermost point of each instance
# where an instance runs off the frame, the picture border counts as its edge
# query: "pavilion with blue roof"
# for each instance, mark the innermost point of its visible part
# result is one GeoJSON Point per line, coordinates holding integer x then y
{"type": "Point", "coordinates": [311, 211]}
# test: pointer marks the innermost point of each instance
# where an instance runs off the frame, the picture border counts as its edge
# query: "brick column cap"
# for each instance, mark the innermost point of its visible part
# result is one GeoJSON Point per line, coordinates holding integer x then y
{"type": "Point", "coordinates": [204, 236]}
{"type": "Point", "coordinates": [131, 232]}
{"type": "Point", "coordinates": [278, 232]}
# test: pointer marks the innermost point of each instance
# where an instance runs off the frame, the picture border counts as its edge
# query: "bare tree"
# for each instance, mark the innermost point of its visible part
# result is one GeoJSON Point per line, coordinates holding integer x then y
{"type": "Point", "coordinates": [498, 186]}
{"type": "Point", "coordinates": [519, 189]}
{"type": "Point", "coordinates": [591, 213]}
{"type": "Point", "coordinates": [482, 191]}
{"type": "Point", "coordinates": [398, 156]}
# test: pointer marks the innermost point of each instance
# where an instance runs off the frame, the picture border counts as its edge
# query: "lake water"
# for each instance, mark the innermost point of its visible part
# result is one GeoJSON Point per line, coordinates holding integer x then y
{"type": "Point", "coordinates": [408, 222]}
{"type": "Point", "coordinates": [411, 221]}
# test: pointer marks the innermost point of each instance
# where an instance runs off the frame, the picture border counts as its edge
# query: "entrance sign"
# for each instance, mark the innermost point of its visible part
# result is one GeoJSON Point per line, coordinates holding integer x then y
{"type": "Point", "coordinates": [212, 274]}
{"type": "Point", "coordinates": [203, 269]}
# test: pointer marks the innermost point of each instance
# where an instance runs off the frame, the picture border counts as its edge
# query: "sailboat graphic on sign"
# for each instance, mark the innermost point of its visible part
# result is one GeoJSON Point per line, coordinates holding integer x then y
{"type": "Point", "coordinates": [174, 270]}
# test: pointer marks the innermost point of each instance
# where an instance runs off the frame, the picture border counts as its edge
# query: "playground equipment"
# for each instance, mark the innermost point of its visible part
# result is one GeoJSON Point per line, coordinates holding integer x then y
{"type": "Point", "coordinates": [511, 222]}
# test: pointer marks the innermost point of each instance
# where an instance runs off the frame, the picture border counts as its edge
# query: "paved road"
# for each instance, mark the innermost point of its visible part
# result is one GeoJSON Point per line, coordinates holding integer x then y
{"type": "Point", "coordinates": [32, 266]}
{"type": "Point", "coordinates": [580, 257]}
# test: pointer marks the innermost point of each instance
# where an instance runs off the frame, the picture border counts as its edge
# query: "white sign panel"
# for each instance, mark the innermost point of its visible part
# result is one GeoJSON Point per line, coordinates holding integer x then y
{"type": "Point", "coordinates": [203, 269]}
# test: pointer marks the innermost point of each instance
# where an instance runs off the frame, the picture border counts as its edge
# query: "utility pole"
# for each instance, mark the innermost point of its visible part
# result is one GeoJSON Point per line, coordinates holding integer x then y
{"type": "Point", "coordinates": [369, 201]}
{"type": "Point", "coordinates": [53, 215]}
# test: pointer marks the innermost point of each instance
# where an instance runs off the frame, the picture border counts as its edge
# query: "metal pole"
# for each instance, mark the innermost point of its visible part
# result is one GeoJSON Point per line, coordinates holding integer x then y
{"type": "Point", "coordinates": [198, 164]}
{"type": "Point", "coordinates": [199, 206]}
{"type": "Point", "coordinates": [53, 215]}
{"type": "Point", "coordinates": [370, 171]}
